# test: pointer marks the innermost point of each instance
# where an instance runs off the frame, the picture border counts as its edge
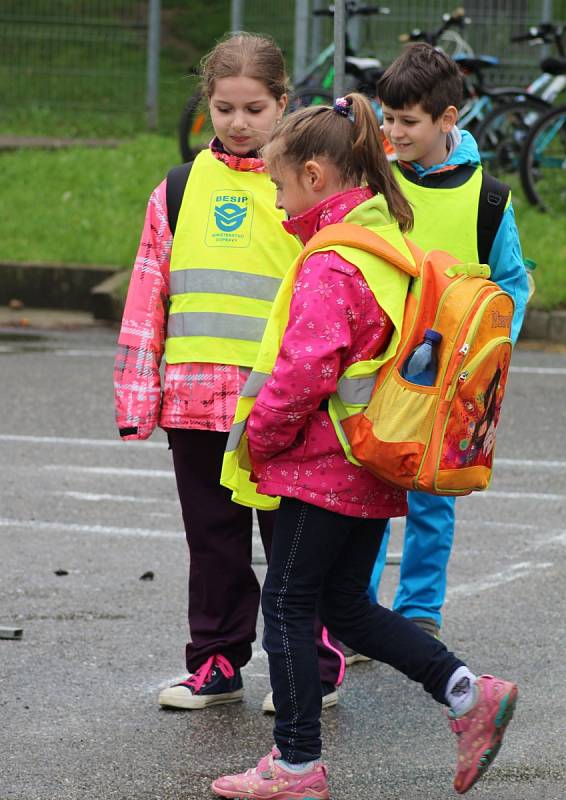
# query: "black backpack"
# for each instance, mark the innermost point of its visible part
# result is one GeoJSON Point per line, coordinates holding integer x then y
{"type": "Point", "coordinates": [491, 205]}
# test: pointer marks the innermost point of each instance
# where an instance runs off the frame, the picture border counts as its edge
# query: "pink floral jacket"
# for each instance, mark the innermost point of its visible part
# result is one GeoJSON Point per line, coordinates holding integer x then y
{"type": "Point", "coordinates": [334, 321]}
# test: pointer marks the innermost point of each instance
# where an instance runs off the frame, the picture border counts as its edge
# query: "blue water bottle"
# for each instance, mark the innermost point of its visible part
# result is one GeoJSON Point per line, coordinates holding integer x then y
{"type": "Point", "coordinates": [421, 365]}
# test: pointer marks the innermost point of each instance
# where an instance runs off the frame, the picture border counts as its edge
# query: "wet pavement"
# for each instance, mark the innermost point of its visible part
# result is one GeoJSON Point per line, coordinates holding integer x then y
{"type": "Point", "coordinates": [83, 516]}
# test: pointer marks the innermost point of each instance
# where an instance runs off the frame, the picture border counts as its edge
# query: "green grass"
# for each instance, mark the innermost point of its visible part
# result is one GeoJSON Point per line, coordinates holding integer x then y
{"type": "Point", "coordinates": [87, 206]}
{"type": "Point", "coordinates": [80, 205]}
{"type": "Point", "coordinates": [543, 239]}
{"type": "Point", "coordinates": [90, 80]}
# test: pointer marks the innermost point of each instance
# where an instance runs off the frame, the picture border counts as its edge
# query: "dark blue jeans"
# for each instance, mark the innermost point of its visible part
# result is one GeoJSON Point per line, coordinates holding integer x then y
{"type": "Point", "coordinates": [320, 557]}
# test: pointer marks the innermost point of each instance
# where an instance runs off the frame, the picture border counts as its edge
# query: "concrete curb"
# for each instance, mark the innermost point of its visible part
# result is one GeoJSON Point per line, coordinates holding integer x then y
{"type": "Point", "coordinates": [96, 289]}
{"type": "Point", "coordinates": [65, 286]}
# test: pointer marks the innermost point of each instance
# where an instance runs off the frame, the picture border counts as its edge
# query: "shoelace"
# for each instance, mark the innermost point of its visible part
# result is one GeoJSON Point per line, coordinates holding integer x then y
{"type": "Point", "coordinates": [205, 672]}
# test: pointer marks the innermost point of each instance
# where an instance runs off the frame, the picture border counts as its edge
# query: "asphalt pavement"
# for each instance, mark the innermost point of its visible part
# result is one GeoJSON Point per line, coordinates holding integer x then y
{"type": "Point", "coordinates": [84, 516]}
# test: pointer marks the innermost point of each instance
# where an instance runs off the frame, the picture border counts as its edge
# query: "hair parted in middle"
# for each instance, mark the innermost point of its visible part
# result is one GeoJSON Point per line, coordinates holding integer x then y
{"type": "Point", "coordinates": [352, 143]}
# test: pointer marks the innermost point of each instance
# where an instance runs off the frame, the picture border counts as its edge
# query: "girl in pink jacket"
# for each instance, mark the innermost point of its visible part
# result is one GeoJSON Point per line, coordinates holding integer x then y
{"type": "Point", "coordinates": [328, 165]}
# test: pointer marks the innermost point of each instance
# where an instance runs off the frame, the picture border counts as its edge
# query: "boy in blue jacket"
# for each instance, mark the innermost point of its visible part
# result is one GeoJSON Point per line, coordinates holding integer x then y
{"type": "Point", "coordinates": [458, 209]}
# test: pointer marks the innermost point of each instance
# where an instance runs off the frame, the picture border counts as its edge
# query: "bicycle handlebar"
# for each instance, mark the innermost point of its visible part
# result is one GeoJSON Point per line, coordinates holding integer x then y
{"type": "Point", "coordinates": [545, 33]}
{"type": "Point", "coordinates": [456, 18]}
{"type": "Point", "coordinates": [352, 10]}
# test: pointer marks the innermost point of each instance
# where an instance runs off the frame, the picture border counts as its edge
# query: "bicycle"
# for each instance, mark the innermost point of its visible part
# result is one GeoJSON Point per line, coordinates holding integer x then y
{"type": "Point", "coordinates": [543, 162]}
{"type": "Point", "coordinates": [480, 100]}
{"type": "Point", "coordinates": [315, 87]}
{"type": "Point", "coordinates": [501, 135]}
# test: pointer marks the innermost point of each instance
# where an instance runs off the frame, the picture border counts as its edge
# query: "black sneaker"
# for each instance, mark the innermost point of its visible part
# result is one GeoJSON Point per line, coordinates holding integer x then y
{"type": "Point", "coordinates": [215, 682]}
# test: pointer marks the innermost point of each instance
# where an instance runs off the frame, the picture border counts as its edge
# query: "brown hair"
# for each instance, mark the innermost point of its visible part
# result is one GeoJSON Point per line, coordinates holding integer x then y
{"type": "Point", "coordinates": [245, 54]}
{"type": "Point", "coordinates": [422, 74]}
{"type": "Point", "coordinates": [352, 143]}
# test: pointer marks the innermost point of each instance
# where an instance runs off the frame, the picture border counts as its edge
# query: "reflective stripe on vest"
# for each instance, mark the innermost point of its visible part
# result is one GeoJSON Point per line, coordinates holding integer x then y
{"type": "Point", "coordinates": [229, 255]}
{"type": "Point", "coordinates": [442, 216]}
{"type": "Point", "coordinates": [353, 393]}
{"type": "Point", "coordinates": [244, 284]}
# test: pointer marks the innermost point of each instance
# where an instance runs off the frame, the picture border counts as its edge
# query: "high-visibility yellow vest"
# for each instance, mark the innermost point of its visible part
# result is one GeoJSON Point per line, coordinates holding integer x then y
{"type": "Point", "coordinates": [388, 283]}
{"type": "Point", "coordinates": [442, 216]}
{"type": "Point", "coordinates": [229, 255]}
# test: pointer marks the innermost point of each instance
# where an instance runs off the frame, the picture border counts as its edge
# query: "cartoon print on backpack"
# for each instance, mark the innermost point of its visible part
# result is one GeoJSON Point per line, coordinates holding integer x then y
{"type": "Point", "coordinates": [484, 433]}
{"type": "Point", "coordinates": [471, 442]}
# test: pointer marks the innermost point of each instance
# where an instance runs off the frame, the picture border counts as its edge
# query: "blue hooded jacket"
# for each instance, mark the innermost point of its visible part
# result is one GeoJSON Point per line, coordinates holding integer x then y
{"type": "Point", "coordinates": [505, 258]}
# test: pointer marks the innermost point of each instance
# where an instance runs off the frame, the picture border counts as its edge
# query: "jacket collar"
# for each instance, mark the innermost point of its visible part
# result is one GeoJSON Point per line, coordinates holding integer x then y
{"type": "Point", "coordinates": [248, 163]}
{"type": "Point", "coordinates": [330, 210]}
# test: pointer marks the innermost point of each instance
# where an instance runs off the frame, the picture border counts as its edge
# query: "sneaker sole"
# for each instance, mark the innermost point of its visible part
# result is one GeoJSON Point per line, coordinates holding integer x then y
{"type": "Point", "coordinates": [355, 659]}
{"type": "Point", "coordinates": [502, 720]}
{"type": "Point", "coordinates": [195, 702]}
{"type": "Point", "coordinates": [276, 796]}
{"type": "Point", "coordinates": [328, 701]}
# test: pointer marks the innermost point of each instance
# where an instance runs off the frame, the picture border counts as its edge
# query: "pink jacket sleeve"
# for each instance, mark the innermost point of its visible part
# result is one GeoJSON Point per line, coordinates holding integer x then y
{"type": "Point", "coordinates": [137, 385]}
{"type": "Point", "coordinates": [334, 320]}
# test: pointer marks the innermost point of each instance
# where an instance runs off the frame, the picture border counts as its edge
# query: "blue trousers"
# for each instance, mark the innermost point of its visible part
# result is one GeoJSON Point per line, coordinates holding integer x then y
{"type": "Point", "coordinates": [323, 559]}
{"type": "Point", "coordinates": [429, 534]}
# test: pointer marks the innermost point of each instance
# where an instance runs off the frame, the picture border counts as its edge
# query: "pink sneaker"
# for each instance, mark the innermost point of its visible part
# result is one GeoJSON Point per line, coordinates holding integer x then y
{"type": "Point", "coordinates": [269, 779]}
{"type": "Point", "coordinates": [480, 731]}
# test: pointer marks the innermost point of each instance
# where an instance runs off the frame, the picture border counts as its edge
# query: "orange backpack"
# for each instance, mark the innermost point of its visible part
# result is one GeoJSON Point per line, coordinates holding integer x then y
{"type": "Point", "coordinates": [438, 439]}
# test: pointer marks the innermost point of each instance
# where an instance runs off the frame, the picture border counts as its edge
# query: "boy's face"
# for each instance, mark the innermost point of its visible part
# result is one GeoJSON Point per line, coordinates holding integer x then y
{"type": "Point", "coordinates": [416, 136]}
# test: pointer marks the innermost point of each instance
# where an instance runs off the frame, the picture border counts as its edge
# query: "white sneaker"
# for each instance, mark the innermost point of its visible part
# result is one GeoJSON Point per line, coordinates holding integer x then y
{"type": "Point", "coordinates": [328, 700]}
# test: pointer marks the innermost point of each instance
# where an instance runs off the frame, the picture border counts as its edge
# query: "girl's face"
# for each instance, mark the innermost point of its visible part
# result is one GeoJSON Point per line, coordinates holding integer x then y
{"type": "Point", "coordinates": [294, 192]}
{"type": "Point", "coordinates": [243, 112]}
{"type": "Point", "coordinates": [299, 190]}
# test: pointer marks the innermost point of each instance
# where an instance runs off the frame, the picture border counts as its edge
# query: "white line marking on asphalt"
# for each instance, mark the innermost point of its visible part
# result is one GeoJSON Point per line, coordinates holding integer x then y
{"type": "Point", "coordinates": [514, 572]}
{"type": "Point", "coordinates": [540, 370]}
{"type": "Point", "coordinates": [487, 524]}
{"type": "Point", "coordinates": [105, 530]}
{"type": "Point", "coordinates": [527, 462]}
{"type": "Point", "coordinates": [520, 495]}
{"type": "Point", "coordinates": [76, 352]}
{"type": "Point", "coordinates": [91, 497]}
{"type": "Point", "coordinates": [123, 471]}
{"type": "Point", "coordinates": [8, 437]}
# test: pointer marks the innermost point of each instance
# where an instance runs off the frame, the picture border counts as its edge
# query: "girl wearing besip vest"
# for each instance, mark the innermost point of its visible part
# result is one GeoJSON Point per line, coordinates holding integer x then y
{"type": "Point", "coordinates": [341, 308]}
{"type": "Point", "coordinates": [202, 297]}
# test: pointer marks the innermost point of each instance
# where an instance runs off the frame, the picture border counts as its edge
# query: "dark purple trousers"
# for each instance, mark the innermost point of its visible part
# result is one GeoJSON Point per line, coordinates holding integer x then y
{"type": "Point", "coordinates": [224, 592]}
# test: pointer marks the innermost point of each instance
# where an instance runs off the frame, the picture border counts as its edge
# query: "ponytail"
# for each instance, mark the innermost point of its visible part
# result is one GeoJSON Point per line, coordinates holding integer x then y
{"type": "Point", "coordinates": [368, 152]}
{"type": "Point", "coordinates": [348, 135]}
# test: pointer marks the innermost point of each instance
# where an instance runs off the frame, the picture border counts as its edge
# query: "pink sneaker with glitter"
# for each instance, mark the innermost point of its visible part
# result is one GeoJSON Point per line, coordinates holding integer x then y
{"type": "Point", "coordinates": [480, 731]}
{"type": "Point", "coordinates": [269, 779]}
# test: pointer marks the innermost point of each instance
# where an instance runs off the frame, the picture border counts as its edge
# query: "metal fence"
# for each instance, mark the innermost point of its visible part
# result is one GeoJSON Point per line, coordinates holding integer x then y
{"type": "Point", "coordinates": [88, 55]}
{"type": "Point", "coordinates": [89, 58]}
{"type": "Point", "coordinates": [493, 22]}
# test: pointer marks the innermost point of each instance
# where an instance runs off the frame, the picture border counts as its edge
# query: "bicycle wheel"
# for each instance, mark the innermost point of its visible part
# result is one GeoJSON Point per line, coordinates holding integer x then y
{"type": "Point", "coordinates": [502, 133]}
{"type": "Point", "coordinates": [543, 163]}
{"type": "Point", "coordinates": [195, 127]}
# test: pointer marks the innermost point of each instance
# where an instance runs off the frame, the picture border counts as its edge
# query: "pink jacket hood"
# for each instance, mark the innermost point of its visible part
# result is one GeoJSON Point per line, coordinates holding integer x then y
{"type": "Point", "coordinates": [334, 321]}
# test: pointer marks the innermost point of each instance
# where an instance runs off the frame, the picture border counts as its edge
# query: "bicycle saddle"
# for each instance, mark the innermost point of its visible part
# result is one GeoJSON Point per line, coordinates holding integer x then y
{"type": "Point", "coordinates": [476, 63]}
{"type": "Point", "coordinates": [554, 66]}
{"type": "Point", "coordinates": [363, 63]}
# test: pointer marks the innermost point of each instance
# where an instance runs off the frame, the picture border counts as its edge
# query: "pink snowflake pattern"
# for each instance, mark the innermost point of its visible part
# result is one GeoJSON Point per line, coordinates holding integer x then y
{"type": "Point", "coordinates": [326, 371]}
{"type": "Point", "coordinates": [325, 289]}
{"type": "Point", "coordinates": [331, 498]}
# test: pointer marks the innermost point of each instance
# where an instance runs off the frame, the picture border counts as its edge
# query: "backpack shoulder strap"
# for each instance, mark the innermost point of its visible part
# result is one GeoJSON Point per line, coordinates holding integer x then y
{"type": "Point", "coordinates": [349, 234]}
{"type": "Point", "coordinates": [176, 182]}
{"type": "Point", "coordinates": [491, 207]}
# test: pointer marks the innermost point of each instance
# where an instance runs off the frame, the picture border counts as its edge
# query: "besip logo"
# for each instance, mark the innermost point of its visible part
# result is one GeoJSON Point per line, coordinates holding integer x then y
{"type": "Point", "coordinates": [230, 216]}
